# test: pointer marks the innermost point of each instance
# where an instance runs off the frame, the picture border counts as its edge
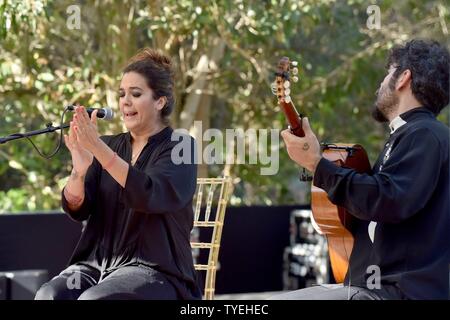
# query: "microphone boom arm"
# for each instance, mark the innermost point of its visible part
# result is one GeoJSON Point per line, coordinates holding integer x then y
{"type": "Point", "coordinates": [48, 129]}
{"type": "Point", "coordinates": [106, 114]}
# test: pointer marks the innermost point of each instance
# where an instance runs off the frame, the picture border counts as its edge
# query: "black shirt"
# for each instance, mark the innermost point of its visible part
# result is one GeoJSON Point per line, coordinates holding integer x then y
{"type": "Point", "coordinates": [407, 195]}
{"type": "Point", "coordinates": [148, 221]}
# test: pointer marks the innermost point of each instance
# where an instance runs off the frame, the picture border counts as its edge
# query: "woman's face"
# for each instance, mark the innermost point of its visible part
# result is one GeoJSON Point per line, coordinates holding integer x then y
{"type": "Point", "coordinates": [140, 112]}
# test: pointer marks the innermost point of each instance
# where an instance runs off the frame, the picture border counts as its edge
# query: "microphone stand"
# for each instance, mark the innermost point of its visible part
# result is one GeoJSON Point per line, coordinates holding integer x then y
{"type": "Point", "coordinates": [48, 129]}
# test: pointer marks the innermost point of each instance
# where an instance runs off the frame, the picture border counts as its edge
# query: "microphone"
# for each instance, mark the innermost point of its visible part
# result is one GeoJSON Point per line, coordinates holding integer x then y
{"type": "Point", "coordinates": [102, 113]}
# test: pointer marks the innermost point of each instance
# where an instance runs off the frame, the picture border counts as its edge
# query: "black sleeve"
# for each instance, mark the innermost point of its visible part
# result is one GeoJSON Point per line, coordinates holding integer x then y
{"type": "Point", "coordinates": [401, 189]}
{"type": "Point", "coordinates": [165, 187]}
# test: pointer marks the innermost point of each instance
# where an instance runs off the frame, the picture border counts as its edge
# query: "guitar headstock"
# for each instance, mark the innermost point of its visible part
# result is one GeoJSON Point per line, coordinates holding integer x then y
{"type": "Point", "coordinates": [286, 71]}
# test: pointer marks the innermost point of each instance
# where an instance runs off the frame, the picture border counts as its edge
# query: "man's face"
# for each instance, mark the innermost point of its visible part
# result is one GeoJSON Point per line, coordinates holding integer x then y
{"type": "Point", "coordinates": [387, 99]}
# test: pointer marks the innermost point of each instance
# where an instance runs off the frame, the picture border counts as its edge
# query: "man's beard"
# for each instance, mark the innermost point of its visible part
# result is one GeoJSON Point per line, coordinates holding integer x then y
{"type": "Point", "coordinates": [386, 103]}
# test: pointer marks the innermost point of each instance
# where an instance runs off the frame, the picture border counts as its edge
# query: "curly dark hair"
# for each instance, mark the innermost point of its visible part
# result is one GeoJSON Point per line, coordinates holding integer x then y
{"type": "Point", "coordinates": [429, 63]}
{"type": "Point", "coordinates": [156, 68]}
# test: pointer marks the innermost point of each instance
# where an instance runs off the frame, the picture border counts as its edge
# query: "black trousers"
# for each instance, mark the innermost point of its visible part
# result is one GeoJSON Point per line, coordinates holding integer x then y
{"type": "Point", "coordinates": [339, 292]}
{"type": "Point", "coordinates": [82, 282]}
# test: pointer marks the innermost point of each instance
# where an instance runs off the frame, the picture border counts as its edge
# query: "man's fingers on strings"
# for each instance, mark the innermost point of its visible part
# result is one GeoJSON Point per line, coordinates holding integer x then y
{"type": "Point", "coordinates": [305, 125]}
{"type": "Point", "coordinates": [287, 135]}
{"type": "Point", "coordinates": [290, 139]}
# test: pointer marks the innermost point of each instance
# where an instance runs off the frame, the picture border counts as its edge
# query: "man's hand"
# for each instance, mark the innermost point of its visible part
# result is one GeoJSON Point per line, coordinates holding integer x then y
{"type": "Point", "coordinates": [304, 151]}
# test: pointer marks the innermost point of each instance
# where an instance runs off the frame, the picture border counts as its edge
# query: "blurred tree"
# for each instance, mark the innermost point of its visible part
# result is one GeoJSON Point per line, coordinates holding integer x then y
{"type": "Point", "coordinates": [224, 52]}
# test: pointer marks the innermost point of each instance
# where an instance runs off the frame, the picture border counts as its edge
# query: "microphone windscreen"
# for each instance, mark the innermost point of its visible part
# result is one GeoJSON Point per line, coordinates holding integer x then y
{"type": "Point", "coordinates": [105, 113]}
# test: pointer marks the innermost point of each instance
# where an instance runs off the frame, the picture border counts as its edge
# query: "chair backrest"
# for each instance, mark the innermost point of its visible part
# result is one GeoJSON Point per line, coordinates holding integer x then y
{"type": "Point", "coordinates": [210, 193]}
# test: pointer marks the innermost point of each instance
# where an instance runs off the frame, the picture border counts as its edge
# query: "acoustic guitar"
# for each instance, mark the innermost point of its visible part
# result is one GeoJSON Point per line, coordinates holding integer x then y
{"type": "Point", "coordinates": [332, 221]}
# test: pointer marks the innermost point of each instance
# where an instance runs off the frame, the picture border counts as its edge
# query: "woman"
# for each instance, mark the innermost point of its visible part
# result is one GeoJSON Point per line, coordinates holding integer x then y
{"type": "Point", "coordinates": [137, 202]}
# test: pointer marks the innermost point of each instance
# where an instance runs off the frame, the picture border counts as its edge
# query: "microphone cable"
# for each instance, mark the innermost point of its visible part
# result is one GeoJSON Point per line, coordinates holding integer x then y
{"type": "Point", "coordinates": [49, 125]}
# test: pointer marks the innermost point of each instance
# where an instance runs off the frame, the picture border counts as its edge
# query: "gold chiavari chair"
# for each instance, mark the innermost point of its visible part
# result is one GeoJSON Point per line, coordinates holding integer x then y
{"type": "Point", "coordinates": [210, 202]}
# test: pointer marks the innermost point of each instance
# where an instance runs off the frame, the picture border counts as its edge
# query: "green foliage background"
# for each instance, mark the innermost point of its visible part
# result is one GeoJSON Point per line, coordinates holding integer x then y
{"type": "Point", "coordinates": [45, 65]}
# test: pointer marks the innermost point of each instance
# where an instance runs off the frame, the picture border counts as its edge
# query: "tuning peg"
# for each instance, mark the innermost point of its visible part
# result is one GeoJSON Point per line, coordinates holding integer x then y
{"type": "Point", "coordinates": [287, 99]}
{"type": "Point", "coordinates": [274, 88]}
{"type": "Point", "coordinates": [295, 71]}
{"type": "Point", "coordinates": [294, 63]}
{"type": "Point", "coordinates": [286, 84]}
{"type": "Point", "coordinates": [295, 79]}
{"type": "Point", "coordinates": [287, 92]}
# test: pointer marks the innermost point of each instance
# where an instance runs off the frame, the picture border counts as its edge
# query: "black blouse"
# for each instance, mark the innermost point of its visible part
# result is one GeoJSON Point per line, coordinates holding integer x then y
{"type": "Point", "coordinates": [148, 221]}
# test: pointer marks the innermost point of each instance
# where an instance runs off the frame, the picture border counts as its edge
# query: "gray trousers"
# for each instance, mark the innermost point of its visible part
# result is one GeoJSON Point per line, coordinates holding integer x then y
{"type": "Point", "coordinates": [82, 282]}
{"type": "Point", "coordinates": [339, 292]}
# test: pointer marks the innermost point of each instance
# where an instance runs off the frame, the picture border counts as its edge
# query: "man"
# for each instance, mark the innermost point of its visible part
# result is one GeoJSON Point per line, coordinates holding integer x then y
{"type": "Point", "coordinates": [402, 207]}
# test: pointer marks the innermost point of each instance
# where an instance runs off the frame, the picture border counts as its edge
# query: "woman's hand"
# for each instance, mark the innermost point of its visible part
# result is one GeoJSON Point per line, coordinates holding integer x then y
{"type": "Point", "coordinates": [86, 129]}
{"type": "Point", "coordinates": [81, 158]}
{"type": "Point", "coordinates": [88, 138]}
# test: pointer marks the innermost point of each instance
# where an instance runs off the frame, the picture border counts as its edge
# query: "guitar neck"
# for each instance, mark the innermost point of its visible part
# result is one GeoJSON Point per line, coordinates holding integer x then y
{"type": "Point", "coordinates": [294, 119]}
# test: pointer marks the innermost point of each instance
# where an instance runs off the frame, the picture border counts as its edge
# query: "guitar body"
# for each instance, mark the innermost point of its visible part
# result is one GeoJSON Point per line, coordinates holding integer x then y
{"type": "Point", "coordinates": [334, 221]}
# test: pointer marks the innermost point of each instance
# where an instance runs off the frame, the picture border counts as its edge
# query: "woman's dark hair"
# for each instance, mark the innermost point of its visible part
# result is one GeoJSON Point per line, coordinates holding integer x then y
{"type": "Point", "coordinates": [429, 63]}
{"type": "Point", "coordinates": [156, 68]}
